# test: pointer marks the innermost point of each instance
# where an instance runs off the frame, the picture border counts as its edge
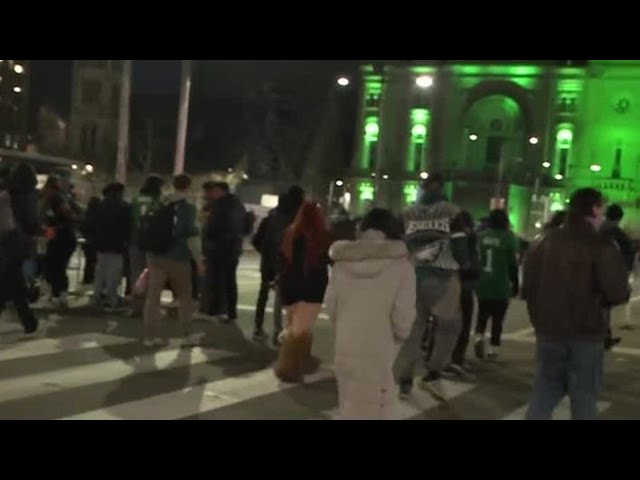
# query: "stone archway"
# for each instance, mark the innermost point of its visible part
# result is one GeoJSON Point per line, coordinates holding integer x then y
{"type": "Point", "coordinates": [498, 114]}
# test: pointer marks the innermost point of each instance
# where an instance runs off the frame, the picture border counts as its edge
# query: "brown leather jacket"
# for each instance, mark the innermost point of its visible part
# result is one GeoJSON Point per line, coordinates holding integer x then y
{"type": "Point", "coordinates": [570, 277]}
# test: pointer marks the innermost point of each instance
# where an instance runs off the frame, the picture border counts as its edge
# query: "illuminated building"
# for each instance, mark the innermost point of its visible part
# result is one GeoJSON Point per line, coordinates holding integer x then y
{"type": "Point", "coordinates": [528, 133]}
{"type": "Point", "coordinates": [14, 103]}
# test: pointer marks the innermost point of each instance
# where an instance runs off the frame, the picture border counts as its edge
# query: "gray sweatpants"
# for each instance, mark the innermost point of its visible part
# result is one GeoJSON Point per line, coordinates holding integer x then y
{"type": "Point", "coordinates": [108, 277]}
{"type": "Point", "coordinates": [439, 298]}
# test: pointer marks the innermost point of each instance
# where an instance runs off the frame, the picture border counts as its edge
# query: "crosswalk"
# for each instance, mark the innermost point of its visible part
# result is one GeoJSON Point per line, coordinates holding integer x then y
{"type": "Point", "coordinates": [111, 376]}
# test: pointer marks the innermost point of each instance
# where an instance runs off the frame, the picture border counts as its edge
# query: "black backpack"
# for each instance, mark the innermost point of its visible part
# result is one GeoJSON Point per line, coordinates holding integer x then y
{"type": "Point", "coordinates": [157, 229]}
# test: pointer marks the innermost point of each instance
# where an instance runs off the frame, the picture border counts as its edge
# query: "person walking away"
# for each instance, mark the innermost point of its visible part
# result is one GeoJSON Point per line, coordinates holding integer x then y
{"type": "Point", "coordinates": [24, 203]}
{"type": "Point", "coordinates": [170, 235]}
{"type": "Point", "coordinates": [468, 281]}
{"type": "Point", "coordinates": [146, 201]}
{"type": "Point", "coordinates": [88, 231]}
{"type": "Point", "coordinates": [222, 248]}
{"type": "Point", "coordinates": [439, 249]}
{"type": "Point", "coordinates": [570, 276]}
{"type": "Point", "coordinates": [268, 242]}
{"type": "Point", "coordinates": [268, 266]}
{"type": "Point", "coordinates": [61, 240]}
{"type": "Point", "coordinates": [612, 230]}
{"type": "Point", "coordinates": [498, 281]}
{"type": "Point", "coordinates": [14, 249]}
{"type": "Point", "coordinates": [371, 302]}
{"type": "Point", "coordinates": [303, 283]}
{"type": "Point", "coordinates": [113, 230]}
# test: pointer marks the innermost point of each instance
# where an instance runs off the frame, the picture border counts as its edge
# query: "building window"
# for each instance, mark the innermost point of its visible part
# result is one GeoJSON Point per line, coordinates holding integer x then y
{"type": "Point", "coordinates": [564, 156]}
{"type": "Point", "coordinates": [91, 90]}
{"type": "Point", "coordinates": [617, 164]}
{"type": "Point", "coordinates": [94, 135]}
{"type": "Point", "coordinates": [373, 154]}
{"type": "Point", "coordinates": [496, 125]}
{"type": "Point", "coordinates": [494, 150]}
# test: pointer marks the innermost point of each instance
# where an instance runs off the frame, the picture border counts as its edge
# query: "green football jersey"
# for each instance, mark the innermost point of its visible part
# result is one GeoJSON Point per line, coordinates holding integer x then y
{"type": "Point", "coordinates": [497, 250]}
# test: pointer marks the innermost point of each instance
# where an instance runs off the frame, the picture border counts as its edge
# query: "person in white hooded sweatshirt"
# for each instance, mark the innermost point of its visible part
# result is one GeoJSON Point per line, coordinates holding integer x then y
{"type": "Point", "coordinates": [371, 300]}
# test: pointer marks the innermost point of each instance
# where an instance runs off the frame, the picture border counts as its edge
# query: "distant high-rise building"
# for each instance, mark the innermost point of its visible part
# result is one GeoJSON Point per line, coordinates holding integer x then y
{"type": "Point", "coordinates": [93, 126]}
{"type": "Point", "coordinates": [14, 102]}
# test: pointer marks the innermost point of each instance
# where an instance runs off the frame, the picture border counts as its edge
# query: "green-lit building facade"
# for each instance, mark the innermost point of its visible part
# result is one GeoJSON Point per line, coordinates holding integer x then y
{"type": "Point", "coordinates": [520, 135]}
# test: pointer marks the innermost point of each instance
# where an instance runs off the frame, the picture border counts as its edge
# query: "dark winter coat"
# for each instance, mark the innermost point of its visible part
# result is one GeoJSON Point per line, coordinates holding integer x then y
{"type": "Point", "coordinates": [112, 226]}
{"type": "Point", "coordinates": [224, 229]}
{"type": "Point", "coordinates": [268, 240]}
{"type": "Point", "coordinates": [571, 275]}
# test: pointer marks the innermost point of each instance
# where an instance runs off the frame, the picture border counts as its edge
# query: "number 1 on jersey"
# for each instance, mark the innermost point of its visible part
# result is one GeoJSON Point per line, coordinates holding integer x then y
{"type": "Point", "coordinates": [488, 267]}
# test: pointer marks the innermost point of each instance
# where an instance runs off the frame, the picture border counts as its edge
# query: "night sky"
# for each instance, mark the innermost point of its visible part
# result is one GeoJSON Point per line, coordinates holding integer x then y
{"type": "Point", "coordinates": [51, 79]}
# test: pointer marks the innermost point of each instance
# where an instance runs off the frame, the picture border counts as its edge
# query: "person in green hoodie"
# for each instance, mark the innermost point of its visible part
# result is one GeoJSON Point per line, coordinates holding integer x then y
{"type": "Point", "coordinates": [174, 266]}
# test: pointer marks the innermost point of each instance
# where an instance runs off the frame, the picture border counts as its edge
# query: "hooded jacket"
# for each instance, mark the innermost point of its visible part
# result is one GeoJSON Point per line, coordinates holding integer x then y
{"type": "Point", "coordinates": [371, 300]}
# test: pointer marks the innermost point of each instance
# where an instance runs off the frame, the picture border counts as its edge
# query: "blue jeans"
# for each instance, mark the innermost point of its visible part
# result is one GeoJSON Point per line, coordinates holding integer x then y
{"type": "Point", "coordinates": [108, 277]}
{"type": "Point", "coordinates": [30, 269]}
{"type": "Point", "coordinates": [566, 367]}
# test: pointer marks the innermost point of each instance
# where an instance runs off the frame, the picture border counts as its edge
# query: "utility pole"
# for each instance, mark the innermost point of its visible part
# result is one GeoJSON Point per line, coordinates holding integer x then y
{"type": "Point", "coordinates": [183, 117]}
{"type": "Point", "coordinates": [123, 123]}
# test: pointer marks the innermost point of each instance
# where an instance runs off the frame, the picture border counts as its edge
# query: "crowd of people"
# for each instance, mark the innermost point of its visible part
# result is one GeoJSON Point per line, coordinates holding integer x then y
{"type": "Point", "coordinates": [400, 291]}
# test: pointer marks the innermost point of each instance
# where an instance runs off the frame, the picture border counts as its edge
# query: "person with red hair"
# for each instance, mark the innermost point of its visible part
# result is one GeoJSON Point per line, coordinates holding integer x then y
{"type": "Point", "coordinates": [303, 281]}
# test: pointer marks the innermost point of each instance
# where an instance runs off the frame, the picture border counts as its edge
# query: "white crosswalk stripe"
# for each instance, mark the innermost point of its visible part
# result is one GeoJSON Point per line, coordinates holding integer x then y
{"type": "Point", "coordinates": [198, 399]}
{"type": "Point", "coordinates": [210, 391]}
{"type": "Point", "coordinates": [72, 377]}
{"type": "Point", "coordinates": [46, 346]}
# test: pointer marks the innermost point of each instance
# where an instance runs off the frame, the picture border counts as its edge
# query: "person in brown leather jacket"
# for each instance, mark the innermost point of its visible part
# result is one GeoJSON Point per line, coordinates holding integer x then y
{"type": "Point", "coordinates": [571, 276]}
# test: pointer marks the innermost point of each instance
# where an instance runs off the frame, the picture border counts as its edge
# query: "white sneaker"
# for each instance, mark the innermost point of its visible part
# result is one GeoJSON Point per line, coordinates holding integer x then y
{"type": "Point", "coordinates": [493, 352]}
{"type": "Point", "coordinates": [435, 388]}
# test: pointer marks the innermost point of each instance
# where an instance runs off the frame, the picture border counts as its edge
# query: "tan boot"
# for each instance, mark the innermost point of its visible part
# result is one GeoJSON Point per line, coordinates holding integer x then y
{"type": "Point", "coordinates": [288, 367]}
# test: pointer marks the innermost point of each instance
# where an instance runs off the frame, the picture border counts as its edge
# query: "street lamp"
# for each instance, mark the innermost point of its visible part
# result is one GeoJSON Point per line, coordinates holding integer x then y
{"type": "Point", "coordinates": [595, 168]}
{"type": "Point", "coordinates": [18, 68]}
{"type": "Point", "coordinates": [343, 81]}
{"type": "Point", "coordinates": [473, 137]}
{"type": "Point", "coordinates": [385, 177]}
{"type": "Point", "coordinates": [17, 89]}
{"type": "Point", "coordinates": [424, 81]}
{"type": "Point", "coordinates": [533, 140]}
{"type": "Point", "coordinates": [339, 183]}
{"type": "Point", "coordinates": [424, 175]}
{"type": "Point", "coordinates": [558, 177]}
{"type": "Point", "coordinates": [546, 164]}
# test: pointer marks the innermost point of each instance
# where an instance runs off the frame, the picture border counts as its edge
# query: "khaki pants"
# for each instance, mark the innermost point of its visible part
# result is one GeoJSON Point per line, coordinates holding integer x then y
{"type": "Point", "coordinates": [178, 274]}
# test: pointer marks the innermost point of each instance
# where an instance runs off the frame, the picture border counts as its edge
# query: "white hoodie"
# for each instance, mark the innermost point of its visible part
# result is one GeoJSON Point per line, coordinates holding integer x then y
{"type": "Point", "coordinates": [371, 300]}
